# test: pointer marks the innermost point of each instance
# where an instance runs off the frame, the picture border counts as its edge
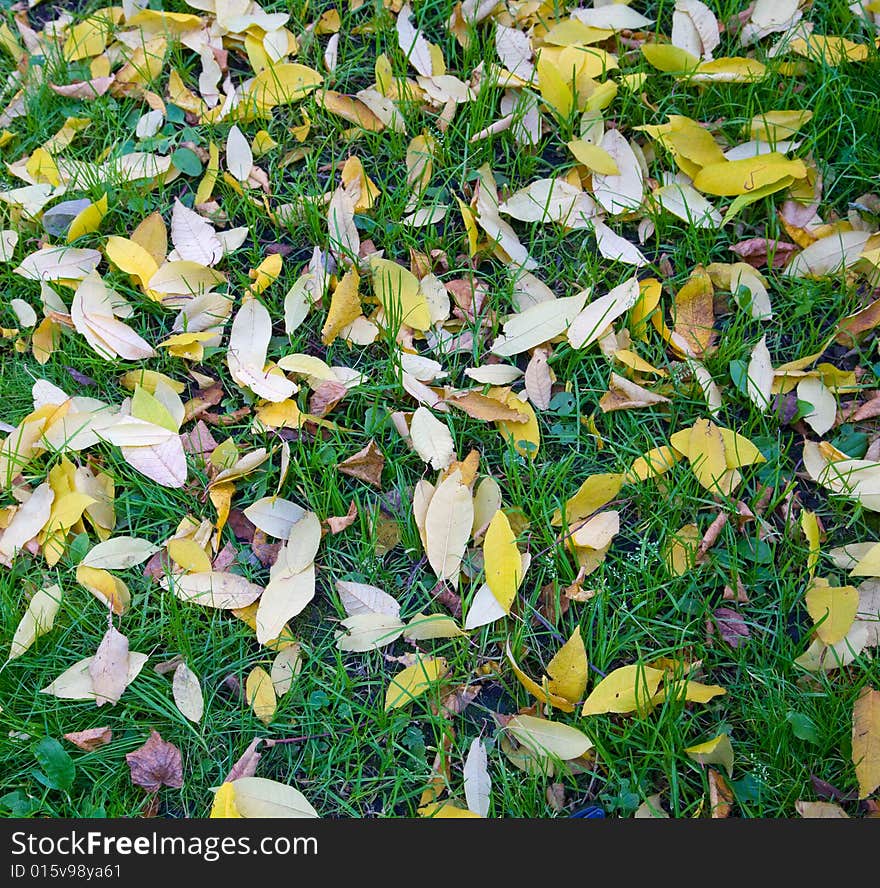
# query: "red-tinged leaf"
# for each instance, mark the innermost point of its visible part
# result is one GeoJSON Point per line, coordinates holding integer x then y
{"type": "Point", "coordinates": [90, 739]}
{"type": "Point", "coordinates": [731, 627]}
{"type": "Point", "coordinates": [155, 764]}
{"type": "Point", "coordinates": [758, 250]}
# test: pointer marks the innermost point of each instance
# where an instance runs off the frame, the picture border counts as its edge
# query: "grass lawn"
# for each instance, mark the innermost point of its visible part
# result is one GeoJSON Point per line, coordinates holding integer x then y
{"type": "Point", "coordinates": [790, 727]}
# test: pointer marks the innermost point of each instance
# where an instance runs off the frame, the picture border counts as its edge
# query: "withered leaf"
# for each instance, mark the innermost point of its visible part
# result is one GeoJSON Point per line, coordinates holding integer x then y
{"type": "Point", "coordinates": [155, 764]}
{"type": "Point", "coordinates": [90, 739]}
{"type": "Point", "coordinates": [731, 627]}
{"type": "Point", "coordinates": [365, 465]}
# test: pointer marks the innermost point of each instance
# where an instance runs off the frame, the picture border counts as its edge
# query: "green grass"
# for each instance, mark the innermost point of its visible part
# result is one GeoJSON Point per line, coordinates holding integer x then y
{"type": "Point", "coordinates": [355, 760]}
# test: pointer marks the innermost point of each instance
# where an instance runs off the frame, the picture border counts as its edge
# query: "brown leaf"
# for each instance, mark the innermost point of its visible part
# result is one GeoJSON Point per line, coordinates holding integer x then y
{"type": "Point", "coordinates": [338, 523]}
{"type": "Point", "coordinates": [168, 666]}
{"type": "Point", "coordinates": [81, 378]}
{"type": "Point", "coordinates": [482, 407]}
{"type": "Point", "coordinates": [713, 531]}
{"type": "Point", "coordinates": [225, 558]}
{"type": "Point", "coordinates": [721, 796]}
{"type": "Point", "coordinates": [386, 533]}
{"type": "Point", "coordinates": [449, 599]}
{"type": "Point", "coordinates": [549, 606]}
{"type": "Point", "coordinates": [326, 396]}
{"type": "Point", "coordinates": [624, 394]}
{"type": "Point", "coordinates": [241, 525]}
{"type": "Point", "coordinates": [731, 626]}
{"type": "Point", "coordinates": [90, 739]}
{"type": "Point", "coordinates": [756, 251]}
{"type": "Point", "coordinates": [694, 312]}
{"type": "Point", "coordinates": [830, 792]}
{"type": "Point", "coordinates": [266, 551]}
{"type": "Point", "coordinates": [202, 402]}
{"type": "Point", "coordinates": [469, 298]}
{"type": "Point", "coordinates": [157, 763]}
{"type": "Point", "coordinates": [851, 327]}
{"type": "Point", "coordinates": [740, 596]}
{"type": "Point", "coordinates": [365, 465]}
{"type": "Point", "coordinates": [158, 565]}
{"type": "Point", "coordinates": [198, 440]}
{"type": "Point", "coordinates": [556, 796]}
{"type": "Point", "coordinates": [458, 699]}
{"type": "Point", "coordinates": [246, 766]}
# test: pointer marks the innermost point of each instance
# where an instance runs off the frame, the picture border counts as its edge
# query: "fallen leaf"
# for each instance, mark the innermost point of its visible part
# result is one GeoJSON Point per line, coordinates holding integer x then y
{"type": "Point", "coordinates": [366, 465]}
{"type": "Point", "coordinates": [155, 764]}
{"type": "Point", "coordinates": [90, 739]}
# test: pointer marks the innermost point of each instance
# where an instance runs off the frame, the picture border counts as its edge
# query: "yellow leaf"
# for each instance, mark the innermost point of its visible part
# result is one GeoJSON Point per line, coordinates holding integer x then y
{"type": "Point", "coordinates": [831, 50]}
{"type": "Point", "coordinates": [148, 380]}
{"type": "Point", "coordinates": [743, 176]}
{"type": "Point", "coordinates": [554, 89]}
{"type": "Point", "coordinates": [540, 693]}
{"type": "Point", "coordinates": [224, 802]}
{"type": "Point", "coordinates": [866, 741]}
{"type": "Point", "coordinates": [810, 527]}
{"type": "Point", "coordinates": [108, 589]}
{"type": "Point", "coordinates": [833, 608]}
{"type": "Point", "coordinates": [717, 751]}
{"type": "Point", "coordinates": [147, 407]}
{"type": "Point", "coordinates": [212, 170]}
{"type": "Point", "coordinates": [774, 126]}
{"type": "Point", "coordinates": [152, 235]}
{"type": "Point", "coordinates": [345, 307]}
{"type": "Point", "coordinates": [446, 810]}
{"type": "Point", "coordinates": [739, 451]}
{"type": "Point", "coordinates": [690, 691]}
{"type": "Point", "coordinates": [626, 689]}
{"type": "Point", "coordinates": [88, 220]}
{"type": "Point", "coordinates": [189, 555]}
{"type": "Point", "coordinates": [260, 693]}
{"type": "Point", "coordinates": [131, 258]}
{"type": "Point", "coordinates": [593, 157]}
{"type": "Point", "coordinates": [595, 492]}
{"type": "Point", "coordinates": [413, 681]}
{"type": "Point", "coordinates": [283, 84]}
{"type": "Point", "coordinates": [526, 436]}
{"type": "Point", "coordinates": [399, 293]}
{"type": "Point", "coordinates": [706, 455]}
{"type": "Point", "coordinates": [680, 553]}
{"type": "Point", "coordinates": [502, 560]}
{"type": "Point", "coordinates": [568, 669]}
{"type": "Point", "coordinates": [668, 58]}
{"type": "Point", "coordinates": [548, 737]}
{"type": "Point", "coordinates": [652, 464]}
